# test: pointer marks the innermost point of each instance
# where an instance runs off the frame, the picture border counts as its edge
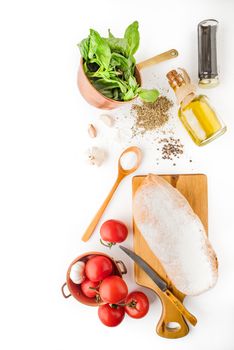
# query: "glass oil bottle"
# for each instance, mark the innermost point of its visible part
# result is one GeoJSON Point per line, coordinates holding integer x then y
{"type": "Point", "coordinates": [195, 112]}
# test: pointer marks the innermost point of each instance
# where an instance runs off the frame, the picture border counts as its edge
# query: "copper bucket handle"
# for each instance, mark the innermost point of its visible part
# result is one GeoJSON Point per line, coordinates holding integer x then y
{"type": "Point", "coordinates": [157, 59]}
{"type": "Point", "coordinates": [63, 292]}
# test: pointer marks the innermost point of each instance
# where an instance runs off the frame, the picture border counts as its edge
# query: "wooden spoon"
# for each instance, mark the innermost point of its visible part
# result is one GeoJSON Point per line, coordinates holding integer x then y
{"type": "Point", "coordinates": [122, 173]}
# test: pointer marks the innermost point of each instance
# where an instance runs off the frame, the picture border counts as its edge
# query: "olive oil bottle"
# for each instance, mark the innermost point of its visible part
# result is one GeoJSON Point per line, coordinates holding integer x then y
{"type": "Point", "coordinates": [195, 112]}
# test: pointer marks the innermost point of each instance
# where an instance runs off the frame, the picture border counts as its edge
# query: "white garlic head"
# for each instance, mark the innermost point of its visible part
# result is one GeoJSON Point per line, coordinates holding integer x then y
{"type": "Point", "coordinates": [96, 156]}
{"type": "Point", "coordinates": [77, 274]}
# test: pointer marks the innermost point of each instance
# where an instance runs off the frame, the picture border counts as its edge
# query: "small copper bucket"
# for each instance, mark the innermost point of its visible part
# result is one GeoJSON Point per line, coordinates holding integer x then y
{"type": "Point", "coordinates": [96, 99]}
{"type": "Point", "coordinates": [119, 269]}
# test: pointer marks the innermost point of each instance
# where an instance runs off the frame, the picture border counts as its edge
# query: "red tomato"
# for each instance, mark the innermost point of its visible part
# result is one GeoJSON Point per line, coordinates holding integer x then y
{"type": "Point", "coordinates": [137, 304]}
{"type": "Point", "coordinates": [87, 286]}
{"type": "Point", "coordinates": [111, 316]}
{"type": "Point", "coordinates": [113, 290]}
{"type": "Point", "coordinates": [97, 268]}
{"type": "Point", "coordinates": [113, 231]}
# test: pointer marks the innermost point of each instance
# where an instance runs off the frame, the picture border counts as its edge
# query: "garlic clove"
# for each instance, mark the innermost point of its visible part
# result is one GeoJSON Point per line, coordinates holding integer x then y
{"type": "Point", "coordinates": [92, 131]}
{"type": "Point", "coordinates": [107, 120]}
{"type": "Point", "coordinates": [77, 274]}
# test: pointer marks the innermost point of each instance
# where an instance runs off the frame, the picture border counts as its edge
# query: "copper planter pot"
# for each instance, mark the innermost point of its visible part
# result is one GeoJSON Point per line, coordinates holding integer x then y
{"type": "Point", "coordinates": [96, 99]}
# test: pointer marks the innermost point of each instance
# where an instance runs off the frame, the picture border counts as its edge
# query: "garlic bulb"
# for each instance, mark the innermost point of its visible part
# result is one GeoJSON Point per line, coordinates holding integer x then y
{"type": "Point", "coordinates": [77, 272]}
{"type": "Point", "coordinates": [96, 156]}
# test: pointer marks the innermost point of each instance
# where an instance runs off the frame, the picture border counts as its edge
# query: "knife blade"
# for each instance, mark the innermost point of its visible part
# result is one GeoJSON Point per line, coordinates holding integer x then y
{"type": "Point", "coordinates": [148, 270]}
{"type": "Point", "coordinates": [160, 283]}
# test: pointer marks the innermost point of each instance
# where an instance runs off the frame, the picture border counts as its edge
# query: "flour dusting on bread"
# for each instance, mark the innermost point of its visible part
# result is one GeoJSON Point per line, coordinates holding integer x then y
{"type": "Point", "coordinates": [176, 235]}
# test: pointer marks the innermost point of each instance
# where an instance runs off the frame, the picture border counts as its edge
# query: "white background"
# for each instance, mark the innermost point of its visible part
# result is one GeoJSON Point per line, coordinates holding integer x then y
{"type": "Point", "coordinates": [49, 193]}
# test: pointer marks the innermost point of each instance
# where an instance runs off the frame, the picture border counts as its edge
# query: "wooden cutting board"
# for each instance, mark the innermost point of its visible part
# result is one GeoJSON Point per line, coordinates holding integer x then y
{"type": "Point", "coordinates": [194, 188]}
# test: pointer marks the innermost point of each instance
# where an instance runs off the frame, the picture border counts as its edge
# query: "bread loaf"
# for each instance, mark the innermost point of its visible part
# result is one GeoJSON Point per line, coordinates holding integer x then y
{"type": "Point", "coordinates": [176, 235]}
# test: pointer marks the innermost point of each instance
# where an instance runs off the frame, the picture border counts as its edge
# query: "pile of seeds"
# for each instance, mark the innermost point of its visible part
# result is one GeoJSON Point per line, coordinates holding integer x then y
{"type": "Point", "coordinates": [171, 148]}
{"type": "Point", "coordinates": [150, 116]}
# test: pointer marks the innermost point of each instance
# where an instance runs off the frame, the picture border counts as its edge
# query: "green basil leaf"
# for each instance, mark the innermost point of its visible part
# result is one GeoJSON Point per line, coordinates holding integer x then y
{"type": "Point", "coordinates": [133, 38]}
{"type": "Point", "coordinates": [115, 93]}
{"type": "Point", "coordinates": [99, 48]}
{"type": "Point", "coordinates": [132, 82]}
{"type": "Point", "coordinates": [129, 95]}
{"type": "Point", "coordinates": [148, 95]}
{"type": "Point", "coordinates": [118, 45]}
{"type": "Point", "coordinates": [85, 68]}
{"type": "Point", "coordinates": [108, 88]}
{"type": "Point", "coordinates": [84, 48]}
{"type": "Point", "coordinates": [105, 83]}
{"type": "Point", "coordinates": [119, 61]}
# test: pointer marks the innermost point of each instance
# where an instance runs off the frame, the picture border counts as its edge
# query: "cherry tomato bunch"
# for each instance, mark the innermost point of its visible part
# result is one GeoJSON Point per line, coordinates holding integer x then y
{"type": "Point", "coordinates": [102, 284]}
{"type": "Point", "coordinates": [136, 305]}
{"type": "Point", "coordinates": [100, 281]}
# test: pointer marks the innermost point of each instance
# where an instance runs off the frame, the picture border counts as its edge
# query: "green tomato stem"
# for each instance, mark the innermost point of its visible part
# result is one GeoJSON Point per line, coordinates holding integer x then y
{"type": "Point", "coordinates": [132, 304]}
{"type": "Point", "coordinates": [107, 244]}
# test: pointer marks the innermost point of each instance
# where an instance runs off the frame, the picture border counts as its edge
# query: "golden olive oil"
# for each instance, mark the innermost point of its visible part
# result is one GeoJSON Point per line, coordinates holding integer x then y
{"type": "Point", "coordinates": [195, 112]}
{"type": "Point", "coordinates": [201, 121]}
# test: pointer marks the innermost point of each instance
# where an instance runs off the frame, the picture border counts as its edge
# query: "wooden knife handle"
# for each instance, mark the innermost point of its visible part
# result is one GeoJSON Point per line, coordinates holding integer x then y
{"type": "Point", "coordinates": [180, 307]}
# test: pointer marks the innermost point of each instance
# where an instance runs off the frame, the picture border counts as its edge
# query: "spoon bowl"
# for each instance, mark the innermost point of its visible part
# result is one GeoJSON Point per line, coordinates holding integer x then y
{"type": "Point", "coordinates": [137, 152]}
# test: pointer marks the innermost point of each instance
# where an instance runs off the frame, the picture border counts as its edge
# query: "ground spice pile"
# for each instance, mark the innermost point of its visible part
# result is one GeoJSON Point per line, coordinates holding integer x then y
{"type": "Point", "coordinates": [150, 116]}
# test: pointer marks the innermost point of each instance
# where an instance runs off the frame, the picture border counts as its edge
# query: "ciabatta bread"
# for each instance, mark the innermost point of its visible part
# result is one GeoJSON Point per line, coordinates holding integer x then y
{"type": "Point", "coordinates": [176, 235]}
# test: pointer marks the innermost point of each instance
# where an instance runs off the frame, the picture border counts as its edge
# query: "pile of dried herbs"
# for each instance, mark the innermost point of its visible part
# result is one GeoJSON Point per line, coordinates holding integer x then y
{"type": "Point", "coordinates": [150, 116]}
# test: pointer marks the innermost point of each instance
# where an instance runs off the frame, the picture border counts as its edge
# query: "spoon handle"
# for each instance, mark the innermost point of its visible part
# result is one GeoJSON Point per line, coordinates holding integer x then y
{"type": "Point", "coordinates": [89, 231]}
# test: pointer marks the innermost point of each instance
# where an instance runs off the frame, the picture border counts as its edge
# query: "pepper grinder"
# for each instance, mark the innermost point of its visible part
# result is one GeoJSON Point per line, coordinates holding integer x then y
{"type": "Point", "coordinates": [207, 53]}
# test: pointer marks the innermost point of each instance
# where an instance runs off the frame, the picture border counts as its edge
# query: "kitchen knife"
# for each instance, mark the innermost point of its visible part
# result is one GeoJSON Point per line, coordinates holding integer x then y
{"type": "Point", "coordinates": [161, 284]}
